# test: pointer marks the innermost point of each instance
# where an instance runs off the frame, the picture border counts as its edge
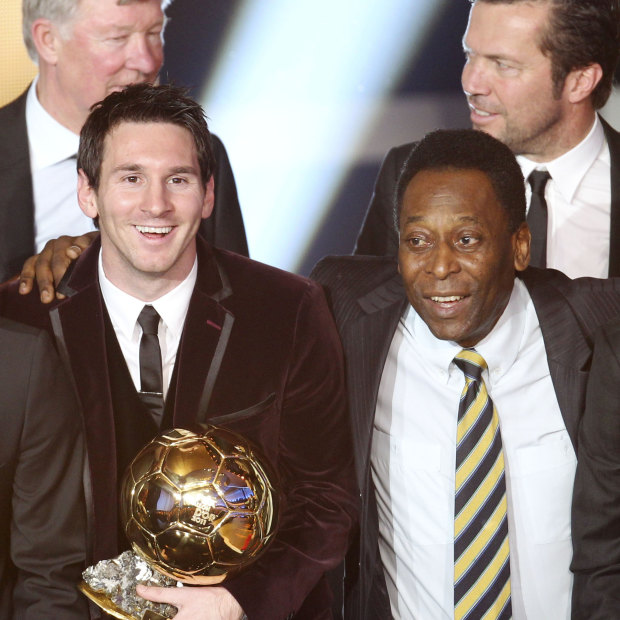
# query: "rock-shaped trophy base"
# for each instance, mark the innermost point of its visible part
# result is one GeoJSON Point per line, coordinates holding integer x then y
{"type": "Point", "coordinates": [111, 584]}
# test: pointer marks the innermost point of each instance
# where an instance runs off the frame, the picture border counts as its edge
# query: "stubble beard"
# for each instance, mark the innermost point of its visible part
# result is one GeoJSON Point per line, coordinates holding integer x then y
{"type": "Point", "coordinates": [537, 139]}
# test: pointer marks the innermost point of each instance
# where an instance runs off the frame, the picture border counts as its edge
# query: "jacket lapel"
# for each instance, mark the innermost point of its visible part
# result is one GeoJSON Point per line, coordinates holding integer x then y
{"type": "Point", "coordinates": [80, 334]}
{"type": "Point", "coordinates": [566, 344]}
{"type": "Point", "coordinates": [613, 142]}
{"type": "Point", "coordinates": [203, 344]}
{"type": "Point", "coordinates": [366, 340]}
{"type": "Point", "coordinates": [16, 231]}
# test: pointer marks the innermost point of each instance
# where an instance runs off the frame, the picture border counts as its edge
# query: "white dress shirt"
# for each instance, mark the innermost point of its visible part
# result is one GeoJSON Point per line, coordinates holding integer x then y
{"type": "Point", "coordinates": [54, 176]}
{"type": "Point", "coordinates": [578, 197]}
{"type": "Point", "coordinates": [413, 461]}
{"type": "Point", "coordinates": [124, 310]}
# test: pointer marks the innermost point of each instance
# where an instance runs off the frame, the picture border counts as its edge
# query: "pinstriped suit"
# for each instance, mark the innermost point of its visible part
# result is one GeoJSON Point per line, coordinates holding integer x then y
{"type": "Point", "coordinates": [368, 299]}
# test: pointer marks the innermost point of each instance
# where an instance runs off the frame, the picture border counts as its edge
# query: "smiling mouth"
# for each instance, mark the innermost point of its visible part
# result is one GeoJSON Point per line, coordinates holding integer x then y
{"type": "Point", "coordinates": [443, 300]}
{"type": "Point", "coordinates": [154, 230]}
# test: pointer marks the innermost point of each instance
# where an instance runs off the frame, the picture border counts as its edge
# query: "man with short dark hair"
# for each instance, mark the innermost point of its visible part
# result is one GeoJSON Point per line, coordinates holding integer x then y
{"type": "Point", "coordinates": [85, 49]}
{"type": "Point", "coordinates": [466, 373]}
{"type": "Point", "coordinates": [238, 344]}
{"type": "Point", "coordinates": [536, 72]}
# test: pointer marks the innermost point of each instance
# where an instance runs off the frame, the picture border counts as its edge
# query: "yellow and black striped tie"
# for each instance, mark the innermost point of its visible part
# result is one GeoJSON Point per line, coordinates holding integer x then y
{"type": "Point", "coordinates": [481, 553]}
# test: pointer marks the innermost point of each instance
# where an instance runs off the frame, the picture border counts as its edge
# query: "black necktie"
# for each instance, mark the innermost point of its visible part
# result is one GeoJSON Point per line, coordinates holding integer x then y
{"type": "Point", "coordinates": [151, 383]}
{"type": "Point", "coordinates": [537, 218]}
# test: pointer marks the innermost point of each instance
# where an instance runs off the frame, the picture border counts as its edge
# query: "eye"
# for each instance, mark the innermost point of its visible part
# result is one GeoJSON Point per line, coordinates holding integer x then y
{"type": "Point", "coordinates": [416, 243]}
{"type": "Point", "coordinates": [132, 178]}
{"type": "Point", "coordinates": [468, 240]}
{"type": "Point", "coordinates": [178, 180]}
{"type": "Point", "coordinates": [504, 67]}
{"type": "Point", "coordinates": [121, 38]}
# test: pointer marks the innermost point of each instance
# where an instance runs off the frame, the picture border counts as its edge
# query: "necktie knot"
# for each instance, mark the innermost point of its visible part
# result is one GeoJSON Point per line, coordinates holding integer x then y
{"type": "Point", "coordinates": [148, 319]}
{"type": "Point", "coordinates": [471, 363]}
{"type": "Point", "coordinates": [538, 181]}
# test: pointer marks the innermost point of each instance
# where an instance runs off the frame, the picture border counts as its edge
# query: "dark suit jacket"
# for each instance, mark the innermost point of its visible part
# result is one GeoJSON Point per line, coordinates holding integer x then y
{"type": "Point", "coordinates": [224, 228]}
{"type": "Point", "coordinates": [378, 237]}
{"type": "Point", "coordinates": [596, 499]}
{"type": "Point", "coordinates": [368, 299]}
{"type": "Point", "coordinates": [260, 355]}
{"type": "Point", "coordinates": [43, 517]}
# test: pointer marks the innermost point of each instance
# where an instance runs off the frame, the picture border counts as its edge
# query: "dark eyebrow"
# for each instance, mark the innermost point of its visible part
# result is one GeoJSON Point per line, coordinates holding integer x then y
{"type": "Point", "coordinates": [466, 219]}
{"type": "Point", "coordinates": [128, 168]}
{"type": "Point", "coordinates": [184, 170]}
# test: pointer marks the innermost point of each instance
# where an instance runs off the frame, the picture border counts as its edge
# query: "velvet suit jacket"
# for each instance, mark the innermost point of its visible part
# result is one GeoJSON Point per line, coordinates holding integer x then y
{"type": "Point", "coordinates": [368, 299]}
{"type": "Point", "coordinates": [377, 237]}
{"type": "Point", "coordinates": [260, 355]}
{"type": "Point", "coordinates": [43, 516]}
{"type": "Point", "coordinates": [224, 228]}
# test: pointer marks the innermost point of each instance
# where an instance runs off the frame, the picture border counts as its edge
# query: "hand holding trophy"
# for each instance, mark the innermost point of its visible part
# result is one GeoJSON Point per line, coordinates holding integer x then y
{"type": "Point", "coordinates": [196, 508]}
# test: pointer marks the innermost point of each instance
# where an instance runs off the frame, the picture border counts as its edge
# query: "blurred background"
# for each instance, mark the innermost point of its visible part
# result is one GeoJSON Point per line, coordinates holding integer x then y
{"type": "Point", "coordinates": [308, 96]}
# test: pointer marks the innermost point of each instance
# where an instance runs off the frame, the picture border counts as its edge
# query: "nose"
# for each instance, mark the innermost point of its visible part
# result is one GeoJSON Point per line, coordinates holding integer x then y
{"type": "Point", "coordinates": [442, 261]}
{"type": "Point", "coordinates": [145, 55]}
{"type": "Point", "coordinates": [474, 78]}
{"type": "Point", "coordinates": [157, 203]}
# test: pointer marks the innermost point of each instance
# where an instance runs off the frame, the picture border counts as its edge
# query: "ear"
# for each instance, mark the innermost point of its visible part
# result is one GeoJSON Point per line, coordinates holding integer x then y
{"type": "Point", "coordinates": [521, 247]}
{"type": "Point", "coordinates": [581, 82]}
{"type": "Point", "coordinates": [46, 39]}
{"type": "Point", "coordinates": [209, 199]}
{"type": "Point", "coordinates": [87, 196]}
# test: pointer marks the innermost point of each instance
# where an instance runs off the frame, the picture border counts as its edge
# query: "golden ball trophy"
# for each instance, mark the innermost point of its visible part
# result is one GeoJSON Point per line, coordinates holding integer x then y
{"type": "Point", "coordinates": [196, 508]}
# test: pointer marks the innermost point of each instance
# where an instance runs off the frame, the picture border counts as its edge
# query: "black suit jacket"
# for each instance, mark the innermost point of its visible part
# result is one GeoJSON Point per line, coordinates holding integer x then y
{"type": "Point", "coordinates": [43, 516]}
{"type": "Point", "coordinates": [224, 228]}
{"type": "Point", "coordinates": [368, 299]}
{"type": "Point", "coordinates": [260, 355]}
{"type": "Point", "coordinates": [378, 236]}
{"type": "Point", "coordinates": [596, 499]}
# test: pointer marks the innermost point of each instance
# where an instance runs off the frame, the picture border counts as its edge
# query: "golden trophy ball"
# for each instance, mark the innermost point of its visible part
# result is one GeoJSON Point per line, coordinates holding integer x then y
{"type": "Point", "coordinates": [196, 508]}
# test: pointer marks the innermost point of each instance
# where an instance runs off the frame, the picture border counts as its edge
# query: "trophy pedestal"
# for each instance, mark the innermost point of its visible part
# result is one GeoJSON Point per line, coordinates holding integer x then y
{"type": "Point", "coordinates": [111, 585]}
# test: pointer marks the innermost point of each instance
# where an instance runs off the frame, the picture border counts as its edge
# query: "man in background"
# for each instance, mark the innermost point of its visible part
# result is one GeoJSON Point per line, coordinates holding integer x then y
{"type": "Point", "coordinates": [536, 72]}
{"type": "Point", "coordinates": [43, 516]}
{"type": "Point", "coordinates": [466, 372]}
{"type": "Point", "coordinates": [84, 49]}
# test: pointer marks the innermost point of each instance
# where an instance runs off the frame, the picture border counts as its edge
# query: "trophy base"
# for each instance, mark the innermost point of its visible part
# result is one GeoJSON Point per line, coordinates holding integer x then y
{"type": "Point", "coordinates": [111, 585]}
{"type": "Point", "coordinates": [113, 610]}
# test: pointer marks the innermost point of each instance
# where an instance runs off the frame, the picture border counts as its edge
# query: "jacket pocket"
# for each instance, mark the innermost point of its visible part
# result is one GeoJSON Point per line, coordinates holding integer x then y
{"type": "Point", "coordinates": [243, 414]}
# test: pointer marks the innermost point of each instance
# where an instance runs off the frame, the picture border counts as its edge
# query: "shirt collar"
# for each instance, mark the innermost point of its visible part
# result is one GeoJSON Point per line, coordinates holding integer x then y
{"type": "Point", "coordinates": [48, 140]}
{"type": "Point", "coordinates": [568, 170]}
{"type": "Point", "coordinates": [124, 308]}
{"type": "Point", "coordinates": [499, 348]}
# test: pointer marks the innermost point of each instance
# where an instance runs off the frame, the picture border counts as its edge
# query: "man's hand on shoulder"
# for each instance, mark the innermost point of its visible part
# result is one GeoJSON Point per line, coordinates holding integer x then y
{"type": "Point", "coordinates": [196, 603]}
{"type": "Point", "coordinates": [48, 267]}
